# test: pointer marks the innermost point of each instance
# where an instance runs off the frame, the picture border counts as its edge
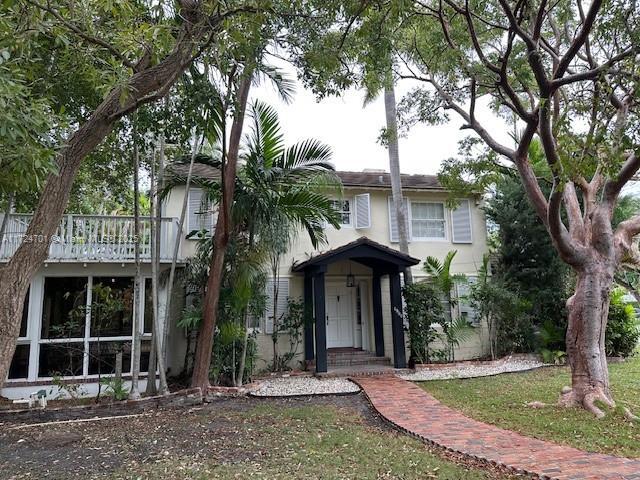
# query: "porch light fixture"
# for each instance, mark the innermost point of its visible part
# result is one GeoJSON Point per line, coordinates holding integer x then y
{"type": "Point", "coordinates": [351, 279]}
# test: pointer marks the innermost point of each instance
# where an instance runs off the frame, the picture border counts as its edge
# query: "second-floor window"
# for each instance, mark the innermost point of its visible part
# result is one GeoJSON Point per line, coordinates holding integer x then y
{"type": "Point", "coordinates": [343, 208]}
{"type": "Point", "coordinates": [427, 220]}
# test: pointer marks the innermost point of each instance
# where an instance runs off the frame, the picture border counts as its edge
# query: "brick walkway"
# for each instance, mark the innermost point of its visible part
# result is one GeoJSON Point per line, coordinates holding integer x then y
{"type": "Point", "coordinates": [416, 412]}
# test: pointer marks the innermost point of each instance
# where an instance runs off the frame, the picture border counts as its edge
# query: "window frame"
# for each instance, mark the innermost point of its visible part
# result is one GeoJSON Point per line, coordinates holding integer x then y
{"type": "Point", "coordinates": [86, 340]}
{"type": "Point", "coordinates": [445, 223]}
{"type": "Point", "coordinates": [351, 211]}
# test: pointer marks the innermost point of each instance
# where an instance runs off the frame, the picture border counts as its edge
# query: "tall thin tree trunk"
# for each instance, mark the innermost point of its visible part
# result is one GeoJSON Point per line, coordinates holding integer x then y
{"type": "Point", "coordinates": [5, 218]}
{"type": "Point", "coordinates": [202, 361]}
{"type": "Point", "coordinates": [588, 311]}
{"type": "Point", "coordinates": [134, 393]}
{"type": "Point", "coordinates": [243, 354]}
{"type": "Point", "coordinates": [176, 246]}
{"type": "Point", "coordinates": [155, 280]}
{"type": "Point", "coordinates": [245, 340]}
{"type": "Point", "coordinates": [152, 387]}
{"type": "Point", "coordinates": [394, 172]}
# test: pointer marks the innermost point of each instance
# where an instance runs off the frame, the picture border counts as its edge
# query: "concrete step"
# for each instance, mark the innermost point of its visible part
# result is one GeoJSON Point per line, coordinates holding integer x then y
{"type": "Point", "coordinates": [366, 358]}
{"type": "Point", "coordinates": [354, 354]}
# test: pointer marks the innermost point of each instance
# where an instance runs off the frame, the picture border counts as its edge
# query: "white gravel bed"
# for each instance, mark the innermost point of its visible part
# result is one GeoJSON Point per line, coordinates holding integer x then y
{"type": "Point", "coordinates": [471, 371]}
{"type": "Point", "coordinates": [289, 386]}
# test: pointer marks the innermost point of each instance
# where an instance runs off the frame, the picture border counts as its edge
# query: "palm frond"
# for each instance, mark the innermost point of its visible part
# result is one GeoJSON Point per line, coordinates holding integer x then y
{"type": "Point", "coordinates": [283, 83]}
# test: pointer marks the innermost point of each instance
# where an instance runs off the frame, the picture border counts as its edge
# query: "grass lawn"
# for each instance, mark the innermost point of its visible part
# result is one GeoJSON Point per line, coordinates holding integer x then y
{"type": "Point", "coordinates": [323, 438]}
{"type": "Point", "coordinates": [501, 400]}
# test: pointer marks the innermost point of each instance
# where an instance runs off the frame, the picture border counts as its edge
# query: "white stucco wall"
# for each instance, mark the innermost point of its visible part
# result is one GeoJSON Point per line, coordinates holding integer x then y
{"type": "Point", "coordinates": [468, 259]}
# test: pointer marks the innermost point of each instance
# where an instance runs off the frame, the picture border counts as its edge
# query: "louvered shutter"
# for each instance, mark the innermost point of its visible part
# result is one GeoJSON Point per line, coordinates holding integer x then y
{"type": "Point", "coordinates": [393, 221]}
{"type": "Point", "coordinates": [464, 302]}
{"type": "Point", "coordinates": [199, 217]}
{"type": "Point", "coordinates": [283, 301]}
{"type": "Point", "coordinates": [363, 211]}
{"type": "Point", "coordinates": [461, 223]}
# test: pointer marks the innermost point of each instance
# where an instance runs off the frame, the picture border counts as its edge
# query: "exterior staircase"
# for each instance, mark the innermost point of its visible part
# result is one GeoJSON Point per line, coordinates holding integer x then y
{"type": "Point", "coordinates": [350, 357]}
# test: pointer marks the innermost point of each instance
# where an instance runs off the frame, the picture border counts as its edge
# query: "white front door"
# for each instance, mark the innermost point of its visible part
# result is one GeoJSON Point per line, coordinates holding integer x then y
{"type": "Point", "coordinates": [339, 317]}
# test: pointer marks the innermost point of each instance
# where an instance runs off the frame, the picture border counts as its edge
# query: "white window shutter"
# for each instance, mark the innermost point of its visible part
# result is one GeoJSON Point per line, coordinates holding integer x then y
{"type": "Point", "coordinates": [461, 223]}
{"type": "Point", "coordinates": [200, 217]}
{"type": "Point", "coordinates": [393, 222]}
{"type": "Point", "coordinates": [363, 211]}
{"type": "Point", "coordinates": [195, 201]}
{"type": "Point", "coordinates": [283, 301]}
{"type": "Point", "coordinates": [464, 302]}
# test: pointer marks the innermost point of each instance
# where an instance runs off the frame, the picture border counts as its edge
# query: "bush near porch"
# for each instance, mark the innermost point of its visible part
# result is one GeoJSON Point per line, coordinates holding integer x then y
{"type": "Point", "coordinates": [501, 400]}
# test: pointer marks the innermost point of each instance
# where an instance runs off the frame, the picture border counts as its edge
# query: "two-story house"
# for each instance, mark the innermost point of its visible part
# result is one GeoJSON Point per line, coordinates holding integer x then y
{"type": "Point", "coordinates": [353, 284]}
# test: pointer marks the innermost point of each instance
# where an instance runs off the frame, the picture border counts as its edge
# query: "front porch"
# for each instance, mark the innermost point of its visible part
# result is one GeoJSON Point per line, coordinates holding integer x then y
{"type": "Point", "coordinates": [337, 303]}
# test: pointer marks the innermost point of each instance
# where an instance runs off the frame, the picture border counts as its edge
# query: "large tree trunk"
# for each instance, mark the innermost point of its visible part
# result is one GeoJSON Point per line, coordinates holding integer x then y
{"type": "Point", "coordinates": [143, 87]}
{"type": "Point", "coordinates": [394, 173]}
{"type": "Point", "coordinates": [202, 361]}
{"type": "Point", "coordinates": [588, 311]}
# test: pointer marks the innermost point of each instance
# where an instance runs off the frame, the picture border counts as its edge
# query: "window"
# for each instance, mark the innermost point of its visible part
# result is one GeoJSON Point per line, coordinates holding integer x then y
{"type": "Point", "coordinates": [25, 315]}
{"type": "Point", "coordinates": [343, 208]}
{"type": "Point", "coordinates": [102, 357]}
{"type": "Point", "coordinates": [82, 334]}
{"type": "Point", "coordinates": [20, 363]}
{"type": "Point", "coordinates": [427, 221]}
{"type": "Point", "coordinates": [112, 306]}
{"type": "Point", "coordinates": [19, 367]}
{"type": "Point", "coordinates": [148, 307]}
{"type": "Point", "coordinates": [64, 307]}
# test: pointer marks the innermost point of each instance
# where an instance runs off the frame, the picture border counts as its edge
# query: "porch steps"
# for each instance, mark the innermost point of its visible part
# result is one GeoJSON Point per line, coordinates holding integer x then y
{"type": "Point", "coordinates": [351, 357]}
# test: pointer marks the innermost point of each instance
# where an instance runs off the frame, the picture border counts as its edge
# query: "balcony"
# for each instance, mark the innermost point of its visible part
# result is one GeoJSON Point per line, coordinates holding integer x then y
{"type": "Point", "coordinates": [93, 238]}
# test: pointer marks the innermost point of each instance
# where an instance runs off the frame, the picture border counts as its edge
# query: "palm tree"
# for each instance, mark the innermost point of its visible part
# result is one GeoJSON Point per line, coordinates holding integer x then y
{"type": "Point", "coordinates": [394, 172]}
{"type": "Point", "coordinates": [441, 276]}
{"type": "Point", "coordinates": [455, 328]}
{"type": "Point", "coordinates": [276, 185]}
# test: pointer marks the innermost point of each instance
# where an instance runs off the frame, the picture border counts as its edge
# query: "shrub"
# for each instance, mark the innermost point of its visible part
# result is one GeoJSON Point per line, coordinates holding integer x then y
{"type": "Point", "coordinates": [290, 325]}
{"type": "Point", "coordinates": [621, 336]}
{"type": "Point", "coordinates": [227, 351]}
{"type": "Point", "coordinates": [504, 312]}
{"type": "Point", "coordinates": [424, 310]}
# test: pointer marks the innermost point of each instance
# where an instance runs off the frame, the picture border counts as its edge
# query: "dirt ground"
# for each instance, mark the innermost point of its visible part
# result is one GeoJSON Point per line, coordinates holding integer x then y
{"type": "Point", "coordinates": [227, 431]}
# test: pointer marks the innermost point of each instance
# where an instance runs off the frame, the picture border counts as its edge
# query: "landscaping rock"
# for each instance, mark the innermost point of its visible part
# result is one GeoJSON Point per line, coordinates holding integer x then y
{"type": "Point", "coordinates": [291, 386]}
{"type": "Point", "coordinates": [471, 370]}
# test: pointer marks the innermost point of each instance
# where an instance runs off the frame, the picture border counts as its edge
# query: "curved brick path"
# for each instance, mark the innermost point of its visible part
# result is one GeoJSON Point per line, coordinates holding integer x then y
{"type": "Point", "coordinates": [413, 410]}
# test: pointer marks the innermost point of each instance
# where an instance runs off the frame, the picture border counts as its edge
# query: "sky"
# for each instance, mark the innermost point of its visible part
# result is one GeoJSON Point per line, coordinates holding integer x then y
{"type": "Point", "coordinates": [352, 129]}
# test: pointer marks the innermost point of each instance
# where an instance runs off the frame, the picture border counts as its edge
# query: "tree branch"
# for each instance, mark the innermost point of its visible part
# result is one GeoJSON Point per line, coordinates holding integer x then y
{"type": "Point", "coordinates": [579, 39]}
{"type": "Point", "coordinates": [629, 169]}
{"type": "Point", "coordinates": [472, 122]}
{"type": "Point", "coordinates": [89, 38]}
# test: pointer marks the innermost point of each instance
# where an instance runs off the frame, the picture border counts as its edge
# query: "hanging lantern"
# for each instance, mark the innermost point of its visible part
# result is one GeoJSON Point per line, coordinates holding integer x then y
{"type": "Point", "coordinates": [351, 280]}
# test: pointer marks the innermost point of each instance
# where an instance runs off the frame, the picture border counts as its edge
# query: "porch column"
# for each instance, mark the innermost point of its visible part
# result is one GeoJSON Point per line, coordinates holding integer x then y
{"type": "Point", "coordinates": [308, 317]}
{"type": "Point", "coordinates": [397, 321]}
{"type": "Point", "coordinates": [320, 321]}
{"type": "Point", "coordinates": [376, 295]}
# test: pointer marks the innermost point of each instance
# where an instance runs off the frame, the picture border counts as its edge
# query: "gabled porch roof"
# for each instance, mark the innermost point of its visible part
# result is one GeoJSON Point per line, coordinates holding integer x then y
{"type": "Point", "coordinates": [363, 250]}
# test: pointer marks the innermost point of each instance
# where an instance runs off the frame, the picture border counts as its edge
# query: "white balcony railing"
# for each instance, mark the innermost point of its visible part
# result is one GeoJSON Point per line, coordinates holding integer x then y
{"type": "Point", "coordinates": [92, 238]}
